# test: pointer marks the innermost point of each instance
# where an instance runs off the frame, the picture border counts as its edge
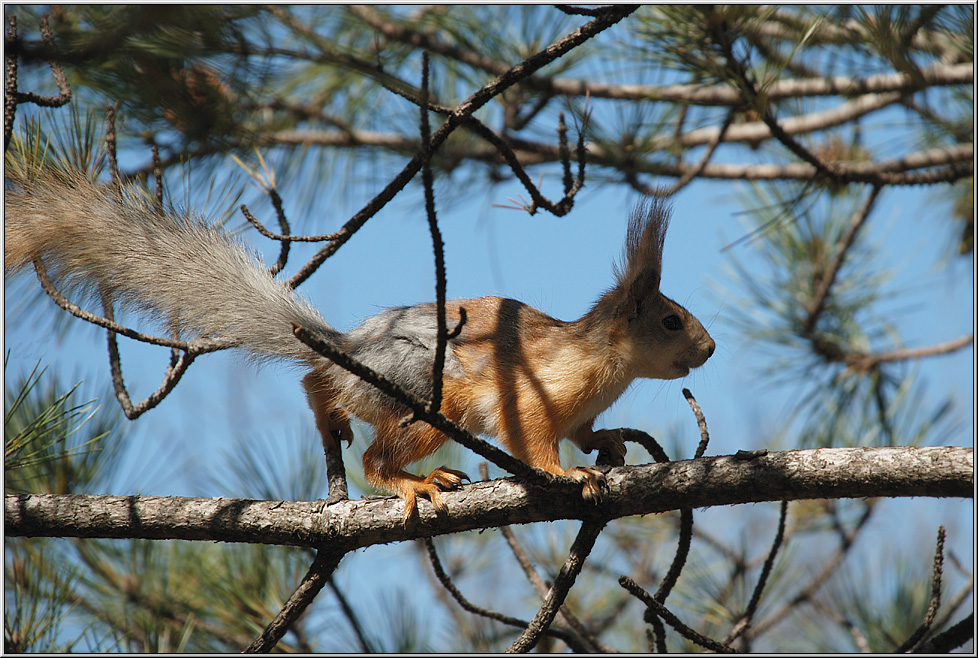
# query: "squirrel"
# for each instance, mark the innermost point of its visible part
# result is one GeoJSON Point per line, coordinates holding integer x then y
{"type": "Point", "coordinates": [512, 371]}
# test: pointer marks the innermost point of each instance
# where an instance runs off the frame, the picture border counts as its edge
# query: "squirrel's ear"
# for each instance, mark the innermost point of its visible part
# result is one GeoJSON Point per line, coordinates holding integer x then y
{"type": "Point", "coordinates": [639, 291]}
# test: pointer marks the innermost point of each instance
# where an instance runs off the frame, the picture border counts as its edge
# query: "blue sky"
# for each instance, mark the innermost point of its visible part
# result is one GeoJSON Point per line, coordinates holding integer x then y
{"type": "Point", "coordinates": [560, 265]}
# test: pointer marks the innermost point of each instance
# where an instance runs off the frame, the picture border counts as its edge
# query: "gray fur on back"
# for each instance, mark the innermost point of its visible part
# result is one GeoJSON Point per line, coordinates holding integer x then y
{"type": "Point", "coordinates": [400, 343]}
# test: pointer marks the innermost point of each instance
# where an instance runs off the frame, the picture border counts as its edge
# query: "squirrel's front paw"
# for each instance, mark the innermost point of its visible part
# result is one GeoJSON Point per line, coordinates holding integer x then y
{"type": "Point", "coordinates": [592, 481]}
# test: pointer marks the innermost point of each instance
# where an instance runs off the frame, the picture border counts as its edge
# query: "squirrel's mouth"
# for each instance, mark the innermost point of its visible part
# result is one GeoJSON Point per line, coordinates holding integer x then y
{"type": "Point", "coordinates": [679, 369]}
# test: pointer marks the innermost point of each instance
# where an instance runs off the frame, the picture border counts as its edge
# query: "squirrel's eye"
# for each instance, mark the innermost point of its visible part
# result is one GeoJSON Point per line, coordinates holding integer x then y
{"type": "Point", "coordinates": [672, 323]}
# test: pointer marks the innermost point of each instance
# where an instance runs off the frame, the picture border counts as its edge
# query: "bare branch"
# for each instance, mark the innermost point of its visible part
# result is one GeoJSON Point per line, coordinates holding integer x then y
{"type": "Point", "coordinates": [199, 346]}
{"type": "Point", "coordinates": [501, 148]}
{"type": "Point", "coordinates": [659, 610]}
{"type": "Point", "coordinates": [807, 593]}
{"type": "Point", "coordinates": [757, 131]}
{"type": "Point", "coordinates": [580, 549]}
{"type": "Point", "coordinates": [180, 360]}
{"type": "Point", "coordinates": [862, 362]}
{"type": "Point", "coordinates": [913, 641]}
{"type": "Point", "coordinates": [64, 92]}
{"type": "Point", "coordinates": [695, 94]}
{"type": "Point", "coordinates": [950, 639]}
{"type": "Point", "coordinates": [689, 175]}
{"type": "Point", "coordinates": [700, 422]}
{"type": "Point", "coordinates": [454, 120]}
{"type": "Point", "coordinates": [283, 237]}
{"type": "Point", "coordinates": [581, 636]}
{"type": "Point", "coordinates": [427, 181]}
{"type": "Point", "coordinates": [320, 571]}
{"type": "Point", "coordinates": [10, 83]}
{"type": "Point", "coordinates": [447, 583]}
{"type": "Point", "coordinates": [744, 622]}
{"type": "Point", "coordinates": [632, 490]}
{"type": "Point", "coordinates": [352, 618]}
{"type": "Point", "coordinates": [824, 286]}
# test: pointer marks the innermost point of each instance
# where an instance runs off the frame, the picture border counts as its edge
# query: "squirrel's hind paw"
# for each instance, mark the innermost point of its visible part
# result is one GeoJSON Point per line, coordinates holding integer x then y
{"type": "Point", "coordinates": [446, 478]}
{"type": "Point", "coordinates": [440, 479]}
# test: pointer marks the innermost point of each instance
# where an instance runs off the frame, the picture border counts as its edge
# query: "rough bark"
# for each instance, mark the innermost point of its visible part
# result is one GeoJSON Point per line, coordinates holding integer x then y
{"type": "Point", "coordinates": [747, 477]}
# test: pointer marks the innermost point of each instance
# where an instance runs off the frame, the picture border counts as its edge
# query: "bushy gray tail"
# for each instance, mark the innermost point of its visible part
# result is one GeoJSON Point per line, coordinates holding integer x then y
{"type": "Point", "coordinates": [179, 271]}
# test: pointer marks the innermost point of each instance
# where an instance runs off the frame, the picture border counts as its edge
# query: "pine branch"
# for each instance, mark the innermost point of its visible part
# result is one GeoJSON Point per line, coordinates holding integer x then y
{"type": "Point", "coordinates": [632, 490]}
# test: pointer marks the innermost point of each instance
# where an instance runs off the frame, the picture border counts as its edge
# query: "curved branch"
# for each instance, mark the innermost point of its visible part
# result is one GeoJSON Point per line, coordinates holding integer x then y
{"type": "Point", "coordinates": [466, 605]}
{"type": "Point", "coordinates": [888, 172]}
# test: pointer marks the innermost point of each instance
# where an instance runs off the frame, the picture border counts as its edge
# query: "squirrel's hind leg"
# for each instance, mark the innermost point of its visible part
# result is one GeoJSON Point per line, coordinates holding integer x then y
{"type": "Point", "coordinates": [333, 424]}
{"type": "Point", "coordinates": [396, 447]}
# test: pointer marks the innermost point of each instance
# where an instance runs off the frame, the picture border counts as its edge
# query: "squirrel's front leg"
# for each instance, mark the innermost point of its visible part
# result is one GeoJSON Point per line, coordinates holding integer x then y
{"type": "Point", "coordinates": [541, 450]}
{"type": "Point", "coordinates": [585, 438]}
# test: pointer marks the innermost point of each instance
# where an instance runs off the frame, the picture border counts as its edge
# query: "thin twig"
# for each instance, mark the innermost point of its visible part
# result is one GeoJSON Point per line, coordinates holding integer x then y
{"type": "Point", "coordinates": [458, 116]}
{"type": "Point", "coordinates": [350, 616]}
{"type": "Point", "coordinates": [700, 422]}
{"type": "Point", "coordinates": [690, 174]}
{"type": "Point", "coordinates": [157, 175]}
{"type": "Point", "coordinates": [316, 577]}
{"type": "Point", "coordinates": [283, 223]}
{"type": "Point", "coordinates": [742, 79]}
{"type": "Point", "coordinates": [180, 360]}
{"type": "Point", "coordinates": [568, 573]}
{"type": "Point", "coordinates": [950, 639]}
{"type": "Point", "coordinates": [582, 636]}
{"type": "Point", "coordinates": [744, 622]}
{"type": "Point", "coordinates": [282, 237]}
{"type": "Point", "coordinates": [862, 362]}
{"type": "Point", "coordinates": [817, 304]}
{"type": "Point", "coordinates": [197, 345]}
{"type": "Point", "coordinates": [427, 180]}
{"type": "Point", "coordinates": [110, 142]}
{"type": "Point", "coordinates": [660, 610]}
{"type": "Point", "coordinates": [685, 515]}
{"type": "Point", "coordinates": [10, 82]}
{"type": "Point", "coordinates": [447, 583]}
{"type": "Point", "coordinates": [420, 409]}
{"type": "Point", "coordinates": [846, 540]}
{"type": "Point", "coordinates": [571, 186]}
{"type": "Point", "coordinates": [692, 93]}
{"type": "Point", "coordinates": [915, 639]}
{"type": "Point", "coordinates": [951, 607]}
{"type": "Point", "coordinates": [646, 441]}
{"type": "Point", "coordinates": [64, 92]}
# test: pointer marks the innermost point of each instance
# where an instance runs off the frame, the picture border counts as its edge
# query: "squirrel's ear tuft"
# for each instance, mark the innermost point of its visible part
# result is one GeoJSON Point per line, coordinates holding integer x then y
{"type": "Point", "coordinates": [641, 270]}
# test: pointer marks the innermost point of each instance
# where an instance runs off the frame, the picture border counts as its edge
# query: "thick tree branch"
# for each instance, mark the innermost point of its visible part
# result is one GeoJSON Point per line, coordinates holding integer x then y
{"type": "Point", "coordinates": [649, 489]}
